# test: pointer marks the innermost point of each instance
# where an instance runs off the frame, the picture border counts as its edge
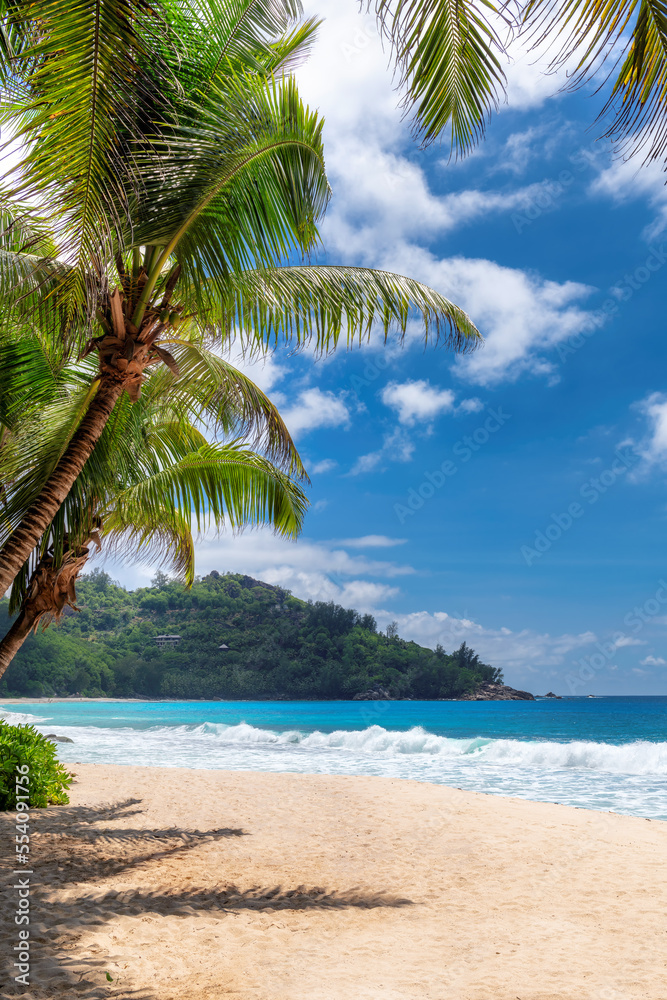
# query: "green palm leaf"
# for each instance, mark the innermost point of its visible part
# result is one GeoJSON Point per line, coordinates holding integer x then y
{"type": "Point", "coordinates": [244, 183]}
{"type": "Point", "coordinates": [81, 83]}
{"type": "Point", "coordinates": [223, 485]}
{"type": "Point", "coordinates": [317, 305]}
{"type": "Point", "coordinates": [447, 54]}
{"type": "Point", "coordinates": [597, 33]}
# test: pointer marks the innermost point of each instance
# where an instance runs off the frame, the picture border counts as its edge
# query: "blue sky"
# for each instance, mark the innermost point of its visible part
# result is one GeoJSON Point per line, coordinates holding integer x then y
{"type": "Point", "coordinates": [542, 543]}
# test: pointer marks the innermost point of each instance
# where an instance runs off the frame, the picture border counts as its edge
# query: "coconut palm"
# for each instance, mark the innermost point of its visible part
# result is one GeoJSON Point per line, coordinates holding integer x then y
{"type": "Point", "coordinates": [449, 58]}
{"type": "Point", "coordinates": [152, 479]}
{"type": "Point", "coordinates": [181, 179]}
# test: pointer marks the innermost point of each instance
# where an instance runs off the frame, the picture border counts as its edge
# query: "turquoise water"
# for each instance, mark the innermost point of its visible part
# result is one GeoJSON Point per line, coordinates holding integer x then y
{"type": "Point", "coordinates": [602, 753]}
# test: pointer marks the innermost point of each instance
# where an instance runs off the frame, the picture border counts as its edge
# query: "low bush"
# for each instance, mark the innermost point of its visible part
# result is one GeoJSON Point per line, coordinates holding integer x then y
{"type": "Point", "coordinates": [48, 778]}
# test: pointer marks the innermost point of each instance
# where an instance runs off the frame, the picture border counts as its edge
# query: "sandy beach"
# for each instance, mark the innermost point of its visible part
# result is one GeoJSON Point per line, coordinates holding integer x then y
{"type": "Point", "coordinates": [209, 884]}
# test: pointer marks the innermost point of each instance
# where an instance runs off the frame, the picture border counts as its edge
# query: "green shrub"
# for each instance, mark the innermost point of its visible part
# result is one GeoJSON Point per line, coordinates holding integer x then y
{"type": "Point", "coordinates": [48, 778]}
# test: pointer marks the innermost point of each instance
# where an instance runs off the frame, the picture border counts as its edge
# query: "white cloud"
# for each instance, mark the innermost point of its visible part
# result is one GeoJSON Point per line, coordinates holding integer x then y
{"type": "Point", "coordinates": [499, 646]}
{"type": "Point", "coordinates": [641, 673]}
{"type": "Point", "coordinates": [380, 191]}
{"type": "Point", "coordinates": [397, 447]}
{"type": "Point", "coordinates": [625, 181]}
{"type": "Point", "coordinates": [265, 371]}
{"type": "Point", "coordinates": [260, 552]}
{"type": "Point", "coordinates": [416, 401]}
{"type": "Point", "coordinates": [520, 148]}
{"type": "Point", "coordinates": [473, 405]}
{"type": "Point", "coordinates": [625, 640]}
{"type": "Point", "coordinates": [653, 446]}
{"type": "Point", "coordinates": [326, 465]}
{"type": "Point", "coordinates": [653, 661]}
{"type": "Point", "coordinates": [520, 315]}
{"type": "Point", "coordinates": [372, 542]}
{"type": "Point", "coordinates": [315, 408]}
{"type": "Point", "coordinates": [382, 198]}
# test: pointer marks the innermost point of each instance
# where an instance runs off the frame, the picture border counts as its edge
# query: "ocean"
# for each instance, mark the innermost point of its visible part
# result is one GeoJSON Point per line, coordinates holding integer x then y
{"type": "Point", "coordinates": [595, 753]}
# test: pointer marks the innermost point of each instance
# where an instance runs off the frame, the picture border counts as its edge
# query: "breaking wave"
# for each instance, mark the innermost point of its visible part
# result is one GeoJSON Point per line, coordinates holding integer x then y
{"type": "Point", "coordinates": [639, 757]}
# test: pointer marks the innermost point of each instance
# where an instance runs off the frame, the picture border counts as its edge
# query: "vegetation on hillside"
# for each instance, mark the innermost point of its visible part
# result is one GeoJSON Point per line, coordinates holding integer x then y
{"type": "Point", "coordinates": [278, 647]}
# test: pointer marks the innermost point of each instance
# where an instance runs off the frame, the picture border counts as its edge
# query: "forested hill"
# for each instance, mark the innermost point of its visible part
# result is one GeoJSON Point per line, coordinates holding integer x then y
{"type": "Point", "coordinates": [276, 647]}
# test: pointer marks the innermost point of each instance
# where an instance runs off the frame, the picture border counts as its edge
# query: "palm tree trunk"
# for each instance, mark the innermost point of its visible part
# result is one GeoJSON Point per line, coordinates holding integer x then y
{"type": "Point", "coordinates": [15, 638]}
{"type": "Point", "coordinates": [22, 541]}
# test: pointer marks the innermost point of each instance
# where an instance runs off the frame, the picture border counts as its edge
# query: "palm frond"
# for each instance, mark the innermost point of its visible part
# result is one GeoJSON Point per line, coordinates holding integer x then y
{"type": "Point", "coordinates": [225, 36]}
{"type": "Point", "coordinates": [29, 377]}
{"type": "Point", "coordinates": [212, 391]}
{"type": "Point", "coordinates": [244, 183]}
{"type": "Point", "coordinates": [221, 484]}
{"type": "Point", "coordinates": [597, 34]}
{"type": "Point", "coordinates": [309, 304]}
{"type": "Point", "coordinates": [448, 57]}
{"type": "Point", "coordinates": [159, 536]}
{"type": "Point", "coordinates": [82, 85]}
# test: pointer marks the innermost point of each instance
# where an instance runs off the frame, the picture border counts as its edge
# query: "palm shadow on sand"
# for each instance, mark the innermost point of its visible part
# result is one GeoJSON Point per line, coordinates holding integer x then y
{"type": "Point", "coordinates": [70, 851]}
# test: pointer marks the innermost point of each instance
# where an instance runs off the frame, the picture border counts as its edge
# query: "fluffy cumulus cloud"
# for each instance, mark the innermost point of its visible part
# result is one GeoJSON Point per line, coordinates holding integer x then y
{"type": "Point", "coordinates": [626, 181]}
{"type": "Point", "coordinates": [417, 401]}
{"type": "Point", "coordinates": [315, 408]}
{"type": "Point", "coordinates": [653, 661]}
{"type": "Point", "coordinates": [522, 316]}
{"type": "Point", "coordinates": [261, 552]}
{"type": "Point", "coordinates": [265, 371]}
{"type": "Point", "coordinates": [382, 197]}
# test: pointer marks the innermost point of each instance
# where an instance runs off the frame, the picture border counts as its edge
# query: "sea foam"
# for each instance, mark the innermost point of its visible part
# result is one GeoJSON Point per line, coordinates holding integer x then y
{"type": "Point", "coordinates": [639, 757]}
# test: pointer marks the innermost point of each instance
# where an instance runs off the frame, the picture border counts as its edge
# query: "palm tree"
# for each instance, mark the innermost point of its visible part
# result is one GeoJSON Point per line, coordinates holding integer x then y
{"type": "Point", "coordinates": [152, 476]}
{"type": "Point", "coordinates": [180, 177]}
{"type": "Point", "coordinates": [449, 59]}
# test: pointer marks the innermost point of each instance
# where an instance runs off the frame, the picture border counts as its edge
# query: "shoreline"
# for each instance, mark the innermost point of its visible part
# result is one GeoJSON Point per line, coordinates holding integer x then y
{"type": "Point", "coordinates": [43, 700]}
{"type": "Point", "coordinates": [190, 884]}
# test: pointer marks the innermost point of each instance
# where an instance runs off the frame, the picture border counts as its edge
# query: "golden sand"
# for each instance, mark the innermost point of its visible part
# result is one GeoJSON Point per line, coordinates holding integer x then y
{"type": "Point", "coordinates": [218, 885]}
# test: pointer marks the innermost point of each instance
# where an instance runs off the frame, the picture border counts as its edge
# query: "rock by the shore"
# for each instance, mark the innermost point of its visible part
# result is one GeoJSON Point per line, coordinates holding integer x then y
{"type": "Point", "coordinates": [550, 694]}
{"type": "Point", "coordinates": [58, 739]}
{"type": "Point", "coordinates": [498, 692]}
{"type": "Point", "coordinates": [376, 694]}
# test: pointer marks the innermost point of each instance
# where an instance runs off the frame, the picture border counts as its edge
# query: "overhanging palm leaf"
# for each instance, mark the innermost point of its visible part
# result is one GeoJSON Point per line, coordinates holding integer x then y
{"type": "Point", "coordinates": [318, 305]}
{"type": "Point", "coordinates": [221, 485]}
{"type": "Point", "coordinates": [598, 34]}
{"type": "Point", "coordinates": [448, 56]}
{"type": "Point", "coordinates": [244, 183]}
{"type": "Point", "coordinates": [169, 420]}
